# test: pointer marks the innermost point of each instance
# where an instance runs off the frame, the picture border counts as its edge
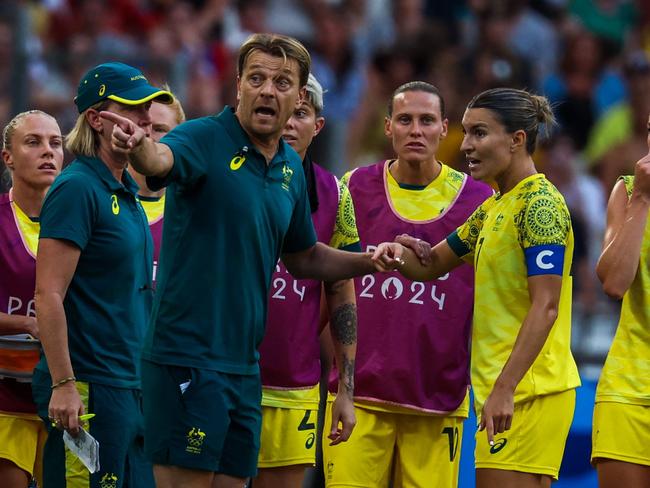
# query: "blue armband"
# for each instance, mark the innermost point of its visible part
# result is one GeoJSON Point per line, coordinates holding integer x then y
{"type": "Point", "coordinates": [545, 259]}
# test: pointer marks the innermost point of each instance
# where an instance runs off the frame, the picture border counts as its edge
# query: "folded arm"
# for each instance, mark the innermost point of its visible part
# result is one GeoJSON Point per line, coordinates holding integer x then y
{"type": "Point", "coordinates": [626, 223]}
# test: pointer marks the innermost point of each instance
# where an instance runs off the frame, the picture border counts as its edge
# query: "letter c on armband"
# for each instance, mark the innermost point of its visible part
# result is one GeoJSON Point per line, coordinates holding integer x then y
{"type": "Point", "coordinates": [539, 261]}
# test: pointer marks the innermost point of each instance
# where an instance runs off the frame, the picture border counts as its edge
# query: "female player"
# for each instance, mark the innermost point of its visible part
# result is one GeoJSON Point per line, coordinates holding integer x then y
{"type": "Point", "coordinates": [621, 429]}
{"type": "Point", "coordinates": [32, 151]}
{"type": "Point", "coordinates": [520, 243]}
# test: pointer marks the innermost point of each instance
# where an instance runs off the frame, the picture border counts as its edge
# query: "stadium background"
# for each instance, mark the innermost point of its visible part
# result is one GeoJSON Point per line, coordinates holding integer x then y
{"type": "Point", "coordinates": [590, 57]}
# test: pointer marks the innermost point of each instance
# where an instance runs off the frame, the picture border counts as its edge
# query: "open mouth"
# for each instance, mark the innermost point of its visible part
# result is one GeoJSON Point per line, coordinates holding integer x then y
{"type": "Point", "coordinates": [47, 166]}
{"type": "Point", "coordinates": [473, 163]}
{"type": "Point", "coordinates": [265, 111]}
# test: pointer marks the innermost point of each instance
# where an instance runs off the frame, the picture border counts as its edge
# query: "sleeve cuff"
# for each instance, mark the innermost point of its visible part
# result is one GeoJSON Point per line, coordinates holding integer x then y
{"type": "Point", "coordinates": [457, 245]}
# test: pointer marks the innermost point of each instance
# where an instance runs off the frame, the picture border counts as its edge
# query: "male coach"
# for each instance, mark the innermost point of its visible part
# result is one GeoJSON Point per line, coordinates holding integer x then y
{"type": "Point", "coordinates": [236, 200]}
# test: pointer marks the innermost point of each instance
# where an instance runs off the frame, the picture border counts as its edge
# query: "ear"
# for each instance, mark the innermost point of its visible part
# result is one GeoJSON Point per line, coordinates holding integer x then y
{"type": "Point", "coordinates": [7, 159]}
{"type": "Point", "coordinates": [302, 96]}
{"type": "Point", "coordinates": [445, 128]}
{"type": "Point", "coordinates": [320, 122]}
{"type": "Point", "coordinates": [238, 88]}
{"type": "Point", "coordinates": [518, 140]}
{"type": "Point", "coordinates": [94, 120]}
{"type": "Point", "coordinates": [388, 127]}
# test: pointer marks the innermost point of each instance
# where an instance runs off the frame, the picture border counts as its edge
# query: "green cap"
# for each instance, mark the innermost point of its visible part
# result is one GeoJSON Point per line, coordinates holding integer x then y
{"type": "Point", "coordinates": [118, 82]}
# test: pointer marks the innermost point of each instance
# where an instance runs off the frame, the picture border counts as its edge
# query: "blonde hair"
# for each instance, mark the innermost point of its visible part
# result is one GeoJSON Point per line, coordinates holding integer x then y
{"type": "Point", "coordinates": [175, 105]}
{"type": "Point", "coordinates": [10, 128]}
{"type": "Point", "coordinates": [83, 140]}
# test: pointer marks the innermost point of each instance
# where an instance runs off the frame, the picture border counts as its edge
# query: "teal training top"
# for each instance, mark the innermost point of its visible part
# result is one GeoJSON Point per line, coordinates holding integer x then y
{"type": "Point", "coordinates": [109, 298]}
{"type": "Point", "coordinates": [228, 216]}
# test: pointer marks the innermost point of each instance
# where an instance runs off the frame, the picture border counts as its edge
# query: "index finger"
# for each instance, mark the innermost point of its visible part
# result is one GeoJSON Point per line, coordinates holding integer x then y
{"type": "Point", "coordinates": [122, 122]}
{"type": "Point", "coordinates": [489, 428]}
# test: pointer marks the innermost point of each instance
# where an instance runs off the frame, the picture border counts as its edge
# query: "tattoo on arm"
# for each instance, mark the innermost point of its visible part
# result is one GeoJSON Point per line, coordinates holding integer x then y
{"type": "Point", "coordinates": [346, 375]}
{"type": "Point", "coordinates": [344, 324]}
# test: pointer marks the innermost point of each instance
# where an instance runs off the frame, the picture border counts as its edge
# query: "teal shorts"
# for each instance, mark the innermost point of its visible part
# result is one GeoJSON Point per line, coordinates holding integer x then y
{"type": "Point", "coordinates": [118, 426]}
{"type": "Point", "coordinates": [202, 419]}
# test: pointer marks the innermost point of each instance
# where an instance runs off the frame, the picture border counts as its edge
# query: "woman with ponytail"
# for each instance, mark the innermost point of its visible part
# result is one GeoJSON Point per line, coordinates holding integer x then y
{"type": "Point", "coordinates": [520, 243]}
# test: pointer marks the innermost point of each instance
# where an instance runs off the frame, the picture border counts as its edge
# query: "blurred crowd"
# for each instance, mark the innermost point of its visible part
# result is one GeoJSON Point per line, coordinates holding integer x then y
{"type": "Point", "coordinates": [591, 58]}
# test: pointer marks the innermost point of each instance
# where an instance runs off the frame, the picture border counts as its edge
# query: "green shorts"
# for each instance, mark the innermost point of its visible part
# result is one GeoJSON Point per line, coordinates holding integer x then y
{"type": "Point", "coordinates": [118, 426]}
{"type": "Point", "coordinates": [202, 419]}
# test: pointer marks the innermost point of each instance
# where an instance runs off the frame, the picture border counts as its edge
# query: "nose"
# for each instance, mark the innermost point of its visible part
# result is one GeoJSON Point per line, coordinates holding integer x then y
{"type": "Point", "coordinates": [47, 149]}
{"type": "Point", "coordinates": [465, 146]}
{"type": "Point", "coordinates": [144, 120]}
{"type": "Point", "coordinates": [289, 125]}
{"type": "Point", "coordinates": [416, 128]}
{"type": "Point", "coordinates": [267, 88]}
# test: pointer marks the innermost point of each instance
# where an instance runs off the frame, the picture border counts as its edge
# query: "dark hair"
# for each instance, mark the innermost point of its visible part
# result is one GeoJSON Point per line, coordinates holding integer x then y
{"type": "Point", "coordinates": [417, 86]}
{"type": "Point", "coordinates": [276, 45]}
{"type": "Point", "coordinates": [517, 110]}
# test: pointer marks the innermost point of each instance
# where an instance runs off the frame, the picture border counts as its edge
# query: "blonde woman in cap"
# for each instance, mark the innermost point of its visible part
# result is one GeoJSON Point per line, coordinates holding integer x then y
{"type": "Point", "coordinates": [93, 290]}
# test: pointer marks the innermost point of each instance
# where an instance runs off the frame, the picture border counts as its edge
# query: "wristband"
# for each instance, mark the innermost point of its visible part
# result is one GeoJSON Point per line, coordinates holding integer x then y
{"type": "Point", "coordinates": [63, 382]}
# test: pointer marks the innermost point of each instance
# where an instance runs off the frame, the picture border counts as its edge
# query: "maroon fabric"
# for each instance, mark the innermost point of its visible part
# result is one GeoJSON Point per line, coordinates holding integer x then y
{"type": "Point", "coordinates": [413, 338]}
{"type": "Point", "coordinates": [290, 353]}
{"type": "Point", "coordinates": [17, 284]}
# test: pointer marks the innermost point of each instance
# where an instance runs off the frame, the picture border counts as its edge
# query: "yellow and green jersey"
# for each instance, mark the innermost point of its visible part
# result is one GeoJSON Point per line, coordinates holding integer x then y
{"type": "Point", "coordinates": [345, 235]}
{"type": "Point", "coordinates": [524, 232]}
{"type": "Point", "coordinates": [626, 375]}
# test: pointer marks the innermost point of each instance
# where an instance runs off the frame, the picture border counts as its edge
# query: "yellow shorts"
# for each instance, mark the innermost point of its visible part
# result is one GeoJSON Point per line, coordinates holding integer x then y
{"type": "Point", "coordinates": [535, 442]}
{"type": "Point", "coordinates": [621, 431]}
{"type": "Point", "coordinates": [425, 450]}
{"type": "Point", "coordinates": [288, 437]}
{"type": "Point", "coordinates": [22, 438]}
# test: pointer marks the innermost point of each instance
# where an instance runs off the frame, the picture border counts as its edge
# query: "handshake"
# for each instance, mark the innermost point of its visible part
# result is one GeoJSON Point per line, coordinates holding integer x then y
{"type": "Point", "coordinates": [390, 256]}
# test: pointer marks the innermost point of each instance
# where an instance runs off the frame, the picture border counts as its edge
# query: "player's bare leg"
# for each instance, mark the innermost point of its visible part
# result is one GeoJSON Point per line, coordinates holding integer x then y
{"type": "Point", "coordinates": [499, 478]}
{"type": "Point", "coordinates": [12, 476]}
{"type": "Point", "coordinates": [175, 477]}
{"type": "Point", "coordinates": [280, 477]}
{"type": "Point", "coordinates": [615, 474]}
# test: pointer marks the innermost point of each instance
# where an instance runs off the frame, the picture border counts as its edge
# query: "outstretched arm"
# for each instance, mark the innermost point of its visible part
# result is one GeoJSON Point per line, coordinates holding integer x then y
{"type": "Point", "coordinates": [324, 263]}
{"type": "Point", "coordinates": [434, 263]}
{"type": "Point", "coordinates": [147, 157]}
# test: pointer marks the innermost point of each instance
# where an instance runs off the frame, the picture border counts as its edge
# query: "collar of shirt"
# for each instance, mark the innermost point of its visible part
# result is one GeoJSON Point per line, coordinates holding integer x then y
{"type": "Point", "coordinates": [98, 166]}
{"type": "Point", "coordinates": [241, 138]}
